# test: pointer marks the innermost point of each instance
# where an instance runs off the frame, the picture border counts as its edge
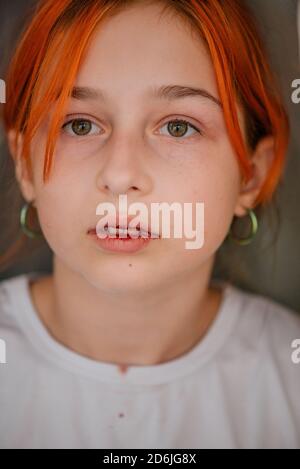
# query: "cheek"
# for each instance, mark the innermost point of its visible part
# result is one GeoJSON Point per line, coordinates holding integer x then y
{"type": "Point", "coordinates": [62, 213]}
{"type": "Point", "coordinates": [213, 181]}
{"type": "Point", "coordinates": [218, 189]}
{"type": "Point", "coordinates": [62, 200]}
{"type": "Point", "coordinates": [55, 217]}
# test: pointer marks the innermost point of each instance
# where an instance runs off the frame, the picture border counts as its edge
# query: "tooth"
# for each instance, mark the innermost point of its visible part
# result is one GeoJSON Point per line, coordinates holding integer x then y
{"type": "Point", "coordinates": [145, 234]}
{"type": "Point", "coordinates": [112, 230]}
{"type": "Point", "coordinates": [132, 232]}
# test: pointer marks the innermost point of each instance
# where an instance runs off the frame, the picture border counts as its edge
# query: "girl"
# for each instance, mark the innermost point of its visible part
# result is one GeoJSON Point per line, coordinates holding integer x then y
{"type": "Point", "coordinates": [130, 343]}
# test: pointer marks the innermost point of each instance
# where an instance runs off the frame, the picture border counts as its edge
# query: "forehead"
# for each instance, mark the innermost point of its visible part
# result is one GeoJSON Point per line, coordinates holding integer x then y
{"type": "Point", "coordinates": [140, 48]}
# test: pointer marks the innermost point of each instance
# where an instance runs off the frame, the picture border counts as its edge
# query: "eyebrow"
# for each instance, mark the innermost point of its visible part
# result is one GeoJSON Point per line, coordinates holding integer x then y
{"type": "Point", "coordinates": [169, 92]}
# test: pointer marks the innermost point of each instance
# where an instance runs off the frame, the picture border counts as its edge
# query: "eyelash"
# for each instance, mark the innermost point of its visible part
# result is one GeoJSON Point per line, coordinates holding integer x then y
{"type": "Point", "coordinates": [176, 120]}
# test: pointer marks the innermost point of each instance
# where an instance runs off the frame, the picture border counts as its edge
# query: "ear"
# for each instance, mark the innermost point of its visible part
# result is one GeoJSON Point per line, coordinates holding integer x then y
{"type": "Point", "coordinates": [261, 161]}
{"type": "Point", "coordinates": [21, 171]}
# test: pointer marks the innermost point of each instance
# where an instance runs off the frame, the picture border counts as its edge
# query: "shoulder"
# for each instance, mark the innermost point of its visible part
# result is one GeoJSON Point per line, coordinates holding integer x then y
{"type": "Point", "coordinates": [13, 292]}
{"type": "Point", "coordinates": [276, 315]}
{"type": "Point", "coordinates": [265, 323]}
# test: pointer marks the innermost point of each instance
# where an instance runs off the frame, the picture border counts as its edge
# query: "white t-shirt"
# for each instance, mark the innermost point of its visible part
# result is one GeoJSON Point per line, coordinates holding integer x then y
{"type": "Point", "coordinates": [237, 388]}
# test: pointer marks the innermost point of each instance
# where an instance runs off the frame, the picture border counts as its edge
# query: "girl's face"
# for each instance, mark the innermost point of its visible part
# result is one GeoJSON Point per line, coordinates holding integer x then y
{"type": "Point", "coordinates": [129, 149]}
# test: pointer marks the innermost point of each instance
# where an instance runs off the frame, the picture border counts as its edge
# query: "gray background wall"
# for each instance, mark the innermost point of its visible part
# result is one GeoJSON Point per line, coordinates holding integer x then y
{"type": "Point", "coordinates": [262, 267]}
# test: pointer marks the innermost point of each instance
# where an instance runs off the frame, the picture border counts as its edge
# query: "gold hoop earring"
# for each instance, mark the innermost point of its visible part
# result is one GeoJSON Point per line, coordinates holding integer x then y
{"type": "Point", "coordinates": [254, 228]}
{"type": "Point", "coordinates": [23, 222]}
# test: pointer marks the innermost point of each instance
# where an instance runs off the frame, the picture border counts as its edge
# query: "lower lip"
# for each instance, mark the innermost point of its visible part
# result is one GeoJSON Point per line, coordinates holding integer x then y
{"type": "Point", "coordinates": [127, 245]}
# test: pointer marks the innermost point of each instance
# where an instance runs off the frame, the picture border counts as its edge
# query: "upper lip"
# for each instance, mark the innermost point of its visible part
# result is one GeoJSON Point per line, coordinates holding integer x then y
{"type": "Point", "coordinates": [122, 221]}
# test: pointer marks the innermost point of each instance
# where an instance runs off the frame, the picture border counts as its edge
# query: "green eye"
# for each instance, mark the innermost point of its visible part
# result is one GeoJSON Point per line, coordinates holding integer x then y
{"type": "Point", "coordinates": [179, 128]}
{"type": "Point", "coordinates": [80, 127]}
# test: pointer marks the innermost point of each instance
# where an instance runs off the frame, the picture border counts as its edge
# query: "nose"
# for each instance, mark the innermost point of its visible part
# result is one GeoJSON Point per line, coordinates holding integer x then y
{"type": "Point", "coordinates": [124, 169]}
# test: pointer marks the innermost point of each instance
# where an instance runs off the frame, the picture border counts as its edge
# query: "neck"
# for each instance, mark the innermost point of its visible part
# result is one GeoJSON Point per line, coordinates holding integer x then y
{"type": "Point", "coordinates": [135, 328]}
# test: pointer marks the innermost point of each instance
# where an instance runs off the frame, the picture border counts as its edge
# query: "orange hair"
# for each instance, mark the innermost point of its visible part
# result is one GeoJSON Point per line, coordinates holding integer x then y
{"type": "Point", "coordinates": [52, 47]}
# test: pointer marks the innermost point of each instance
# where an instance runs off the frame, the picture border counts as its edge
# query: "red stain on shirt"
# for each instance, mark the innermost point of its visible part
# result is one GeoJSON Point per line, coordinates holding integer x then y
{"type": "Point", "coordinates": [123, 368]}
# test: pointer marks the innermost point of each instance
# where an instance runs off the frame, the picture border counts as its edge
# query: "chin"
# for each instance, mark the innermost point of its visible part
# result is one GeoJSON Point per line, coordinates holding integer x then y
{"type": "Point", "coordinates": [123, 277]}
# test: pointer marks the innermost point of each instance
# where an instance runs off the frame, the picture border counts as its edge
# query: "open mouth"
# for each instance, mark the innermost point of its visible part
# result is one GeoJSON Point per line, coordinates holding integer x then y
{"type": "Point", "coordinates": [125, 233]}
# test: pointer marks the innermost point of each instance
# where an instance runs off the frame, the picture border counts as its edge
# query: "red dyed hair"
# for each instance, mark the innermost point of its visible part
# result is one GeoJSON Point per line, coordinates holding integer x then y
{"type": "Point", "coordinates": [52, 47]}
